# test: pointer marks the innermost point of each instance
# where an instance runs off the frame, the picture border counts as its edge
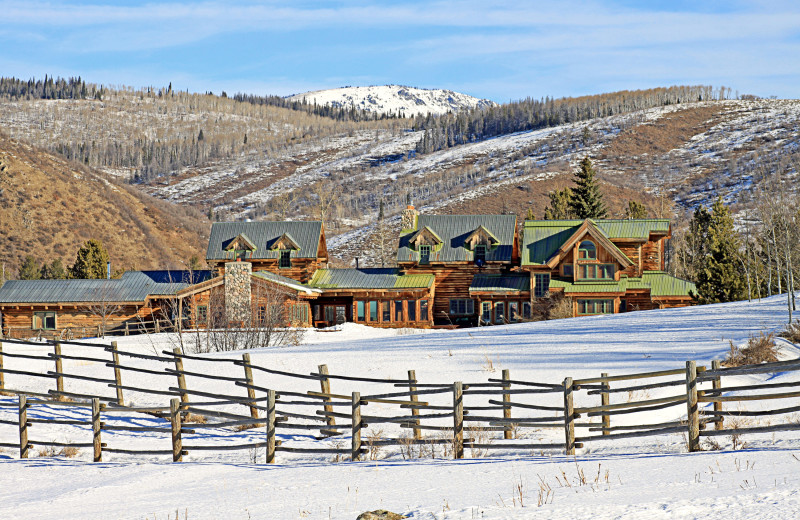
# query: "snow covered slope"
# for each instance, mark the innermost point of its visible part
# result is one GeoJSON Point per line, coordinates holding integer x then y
{"type": "Point", "coordinates": [397, 99]}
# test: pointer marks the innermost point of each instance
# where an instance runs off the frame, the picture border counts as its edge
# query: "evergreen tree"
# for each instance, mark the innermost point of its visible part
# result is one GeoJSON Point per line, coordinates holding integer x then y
{"type": "Point", "coordinates": [29, 270]}
{"type": "Point", "coordinates": [586, 200]}
{"type": "Point", "coordinates": [559, 208]}
{"type": "Point", "coordinates": [530, 215]}
{"type": "Point", "coordinates": [719, 279]}
{"type": "Point", "coordinates": [54, 271]}
{"type": "Point", "coordinates": [91, 261]}
{"type": "Point", "coordinates": [635, 210]}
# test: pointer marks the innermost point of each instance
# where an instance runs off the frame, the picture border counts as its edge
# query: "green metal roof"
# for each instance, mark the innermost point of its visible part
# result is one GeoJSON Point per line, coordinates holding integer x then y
{"type": "Point", "coordinates": [542, 238]}
{"type": "Point", "coordinates": [454, 230]}
{"type": "Point", "coordinates": [374, 278]}
{"type": "Point", "coordinates": [133, 286]}
{"type": "Point", "coordinates": [501, 283]}
{"type": "Point", "coordinates": [658, 283]}
{"type": "Point", "coordinates": [263, 235]}
{"type": "Point", "coordinates": [663, 284]}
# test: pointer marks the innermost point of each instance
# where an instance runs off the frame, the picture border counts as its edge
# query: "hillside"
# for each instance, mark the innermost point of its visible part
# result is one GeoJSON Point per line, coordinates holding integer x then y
{"type": "Point", "coordinates": [49, 207]}
{"type": "Point", "coordinates": [262, 161]}
{"type": "Point", "coordinates": [394, 99]}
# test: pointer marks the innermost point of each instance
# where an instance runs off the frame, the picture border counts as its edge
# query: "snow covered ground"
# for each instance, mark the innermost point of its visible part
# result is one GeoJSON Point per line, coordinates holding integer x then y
{"type": "Point", "coordinates": [653, 477]}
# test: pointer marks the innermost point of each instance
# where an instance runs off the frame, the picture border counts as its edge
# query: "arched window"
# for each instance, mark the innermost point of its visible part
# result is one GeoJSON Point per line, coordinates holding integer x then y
{"type": "Point", "coordinates": [587, 250]}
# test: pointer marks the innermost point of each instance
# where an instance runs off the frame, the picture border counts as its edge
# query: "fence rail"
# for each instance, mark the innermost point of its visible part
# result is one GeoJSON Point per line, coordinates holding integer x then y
{"type": "Point", "coordinates": [448, 411]}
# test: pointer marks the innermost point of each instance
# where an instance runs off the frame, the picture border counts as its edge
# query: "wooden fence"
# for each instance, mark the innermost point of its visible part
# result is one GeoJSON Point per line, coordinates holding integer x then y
{"type": "Point", "coordinates": [455, 416]}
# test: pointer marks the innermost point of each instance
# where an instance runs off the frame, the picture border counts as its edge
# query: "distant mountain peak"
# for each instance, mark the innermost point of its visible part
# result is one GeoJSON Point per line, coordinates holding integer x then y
{"type": "Point", "coordinates": [384, 99]}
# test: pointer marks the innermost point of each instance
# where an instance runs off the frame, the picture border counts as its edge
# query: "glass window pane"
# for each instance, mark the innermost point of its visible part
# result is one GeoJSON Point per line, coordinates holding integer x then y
{"type": "Point", "coordinates": [398, 310]}
{"type": "Point", "coordinates": [387, 315]}
{"type": "Point", "coordinates": [453, 306]}
{"type": "Point", "coordinates": [486, 312]}
{"type": "Point", "coordinates": [411, 307]}
{"type": "Point", "coordinates": [359, 311]}
{"type": "Point", "coordinates": [526, 310]}
{"type": "Point", "coordinates": [373, 311]}
{"type": "Point", "coordinates": [423, 310]}
{"type": "Point", "coordinates": [513, 311]}
{"type": "Point", "coordinates": [499, 312]}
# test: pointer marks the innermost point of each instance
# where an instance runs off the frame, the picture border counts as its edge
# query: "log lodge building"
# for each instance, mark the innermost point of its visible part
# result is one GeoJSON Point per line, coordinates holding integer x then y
{"type": "Point", "coordinates": [452, 271]}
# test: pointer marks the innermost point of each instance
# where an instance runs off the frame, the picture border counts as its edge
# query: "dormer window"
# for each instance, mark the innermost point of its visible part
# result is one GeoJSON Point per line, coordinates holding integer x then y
{"type": "Point", "coordinates": [424, 254]}
{"type": "Point", "coordinates": [480, 254]}
{"type": "Point", "coordinates": [587, 250]}
{"type": "Point", "coordinates": [285, 260]}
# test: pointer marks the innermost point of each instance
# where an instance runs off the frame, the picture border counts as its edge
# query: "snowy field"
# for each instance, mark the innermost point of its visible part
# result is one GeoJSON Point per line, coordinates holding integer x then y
{"type": "Point", "coordinates": [652, 477]}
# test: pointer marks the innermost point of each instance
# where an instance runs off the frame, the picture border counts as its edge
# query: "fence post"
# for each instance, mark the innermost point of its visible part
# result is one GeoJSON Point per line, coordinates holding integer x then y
{"type": "Point", "coordinates": [716, 384]}
{"type": "Point", "coordinates": [355, 448]}
{"type": "Point", "coordinates": [117, 372]}
{"type": "Point", "coordinates": [412, 376]}
{"type": "Point", "coordinates": [507, 408]}
{"type": "Point", "coordinates": [605, 399]}
{"type": "Point", "coordinates": [458, 420]}
{"type": "Point", "coordinates": [270, 426]}
{"type": "Point", "coordinates": [23, 427]}
{"type": "Point", "coordinates": [96, 429]}
{"type": "Point", "coordinates": [127, 329]}
{"type": "Point", "coordinates": [2, 375]}
{"type": "Point", "coordinates": [157, 328]}
{"type": "Point", "coordinates": [59, 369]}
{"type": "Point", "coordinates": [251, 393]}
{"type": "Point", "coordinates": [325, 385]}
{"type": "Point", "coordinates": [569, 418]}
{"type": "Point", "coordinates": [692, 415]}
{"type": "Point", "coordinates": [176, 352]}
{"type": "Point", "coordinates": [175, 419]}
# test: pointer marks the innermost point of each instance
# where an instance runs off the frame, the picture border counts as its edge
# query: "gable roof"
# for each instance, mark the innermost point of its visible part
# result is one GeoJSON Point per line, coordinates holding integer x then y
{"type": "Point", "coordinates": [306, 235]}
{"type": "Point", "coordinates": [454, 230]}
{"type": "Point", "coordinates": [541, 239]}
{"type": "Point", "coordinates": [133, 287]}
{"type": "Point", "coordinates": [240, 240]}
{"type": "Point", "coordinates": [371, 278]}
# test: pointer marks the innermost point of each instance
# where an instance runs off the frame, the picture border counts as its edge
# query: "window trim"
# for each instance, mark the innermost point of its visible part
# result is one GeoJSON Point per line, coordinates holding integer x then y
{"type": "Point", "coordinates": [537, 292]}
{"type": "Point", "coordinates": [285, 259]}
{"type": "Point", "coordinates": [596, 268]}
{"type": "Point", "coordinates": [43, 317]}
{"type": "Point", "coordinates": [594, 302]}
{"type": "Point", "coordinates": [584, 252]}
{"type": "Point", "coordinates": [479, 253]}
{"type": "Point", "coordinates": [499, 313]}
{"type": "Point", "coordinates": [424, 254]}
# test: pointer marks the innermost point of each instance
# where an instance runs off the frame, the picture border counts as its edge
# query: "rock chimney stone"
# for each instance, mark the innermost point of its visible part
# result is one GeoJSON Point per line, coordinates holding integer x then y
{"type": "Point", "coordinates": [408, 218]}
{"type": "Point", "coordinates": [237, 292]}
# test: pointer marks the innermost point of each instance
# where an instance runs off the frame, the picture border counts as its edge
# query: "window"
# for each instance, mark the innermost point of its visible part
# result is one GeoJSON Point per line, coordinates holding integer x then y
{"type": "Point", "coordinates": [587, 250]}
{"type": "Point", "coordinates": [423, 310]}
{"type": "Point", "coordinates": [480, 254]}
{"type": "Point", "coordinates": [526, 310]}
{"type": "Point", "coordinates": [596, 271]}
{"type": "Point", "coordinates": [398, 310]}
{"type": "Point", "coordinates": [373, 311]}
{"type": "Point", "coordinates": [318, 312]}
{"type": "Point", "coordinates": [330, 313]}
{"type": "Point", "coordinates": [595, 307]}
{"type": "Point", "coordinates": [44, 320]}
{"type": "Point", "coordinates": [360, 315]}
{"type": "Point", "coordinates": [499, 312]}
{"type": "Point", "coordinates": [299, 313]}
{"type": "Point", "coordinates": [286, 259]}
{"type": "Point", "coordinates": [387, 313]}
{"type": "Point", "coordinates": [568, 270]}
{"type": "Point", "coordinates": [486, 312]}
{"type": "Point", "coordinates": [202, 314]}
{"type": "Point", "coordinates": [424, 254]}
{"type": "Point", "coordinates": [462, 307]}
{"type": "Point", "coordinates": [541, 285]}
{"type": "Point", "coordinates": [513, 311]}
{"type": "Point", "coordinates": [411, 308]}
{"type": "Point", "coordinates": [261, 314]}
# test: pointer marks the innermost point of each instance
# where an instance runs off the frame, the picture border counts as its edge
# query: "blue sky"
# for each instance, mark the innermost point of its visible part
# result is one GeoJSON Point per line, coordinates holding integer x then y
{"type": "Point", "coordinates": [498, 50]}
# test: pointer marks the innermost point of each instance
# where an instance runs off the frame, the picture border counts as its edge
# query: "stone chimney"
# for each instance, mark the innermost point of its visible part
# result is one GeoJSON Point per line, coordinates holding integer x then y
{"type": "Point", "coordinates": [408, 218]}
{"type": "Point", "coordinates": [237, 292]}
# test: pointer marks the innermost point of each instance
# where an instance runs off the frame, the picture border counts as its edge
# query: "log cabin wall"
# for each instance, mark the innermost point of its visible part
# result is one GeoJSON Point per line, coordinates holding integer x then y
{"type": "Point", "coordinates": [452, 282]}
{"type": "Point", "coordinates": [381, 308]}
{"type": "Point", "coordinates": [302, 269]}
{"type": "Point", "coordinates": [77, 316]}
{"type": "Point", "coordinates": [652, 255]}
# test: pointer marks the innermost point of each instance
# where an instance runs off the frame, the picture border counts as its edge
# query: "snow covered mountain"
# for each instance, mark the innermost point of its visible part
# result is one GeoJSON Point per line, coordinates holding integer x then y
{"type": "Point", "coordinates": [384, 99]}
